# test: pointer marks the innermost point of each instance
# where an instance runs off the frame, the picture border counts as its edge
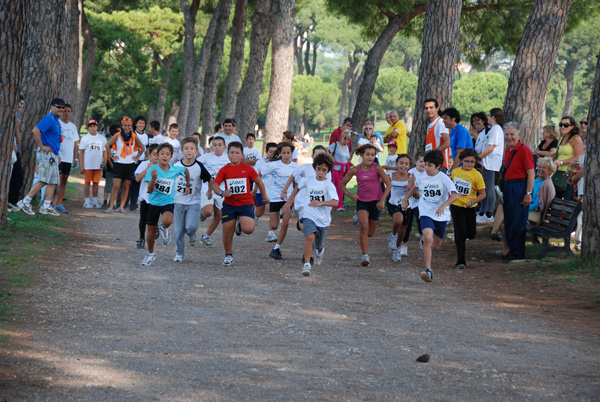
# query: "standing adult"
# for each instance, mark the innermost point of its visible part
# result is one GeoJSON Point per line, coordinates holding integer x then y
{"type": "Point", "coordinates": [370, 136]}
{"type": "Point", "coordinates": [490, 149]}
{"type": "Point", "coordinates": [460, 139]}
{"type": "Point", "coordinates": [228, 135]}
{"type": "Point", "coordinates": [396, 132]}
{"type": "Point", "coordinates": [69, 150]}
{"type": "Point", "coordinates": [47, 136]}
{"type": "Point", "coordinates": [548, 145]}
{"type": "Point", "coordinates": [438, 136]}
{"type": "Point", "coordinates": [139, 126]}
{"type": "Point", "coordinates": [519, 177]}
{"type": "Point", "coordinates": [336, 135]}
{"type": "Point", "coordinates": [570, 148]}
{"type": "Point", "coordinates": [125, 143]}
{"type": "Point", "coordinates": [16, 174]}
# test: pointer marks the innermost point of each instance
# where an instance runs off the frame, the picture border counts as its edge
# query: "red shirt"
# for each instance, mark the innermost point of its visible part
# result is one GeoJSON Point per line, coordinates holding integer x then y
{"type": "Point", "coordinates": [238, 179]}
{"type": "Point", "coordinates": [522, 162]}
{"type": "Point", "coordinates": [336, 135]}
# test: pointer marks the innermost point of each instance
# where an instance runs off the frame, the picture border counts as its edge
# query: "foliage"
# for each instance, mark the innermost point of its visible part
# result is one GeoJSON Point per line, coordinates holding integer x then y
{"type": "Point", "coordinates": [395, 88]}
{"type": "Point", "coordinates": [479, 92]}
{"type": "Point", "coordinates": [314, 98]}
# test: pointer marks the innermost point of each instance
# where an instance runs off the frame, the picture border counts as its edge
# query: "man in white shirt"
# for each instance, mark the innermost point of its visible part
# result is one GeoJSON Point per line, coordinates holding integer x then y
{"type": "Point", "coordinates": [69, 149]}
{"type": "Point", "coordinates": [227, 134]}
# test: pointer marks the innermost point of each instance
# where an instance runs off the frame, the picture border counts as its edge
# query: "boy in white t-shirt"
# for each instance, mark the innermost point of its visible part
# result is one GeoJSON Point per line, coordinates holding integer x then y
{"type": "Point", "coordinates": [198, 137]}
{"type": "Point", "coordinates": [139, 175]}
{"type": "Point", "coordinates": [320, 195]}
{"type": "Point", "coordinates": [437, 192]}
{"type": "Point", "coordinates": [172, 139]}
{"type": "Point", "coordinates": [92, 156]}
{"type": "Point", "coordinates": [390, 162]}
{"type": "Point", "coordinates": [251, 154]}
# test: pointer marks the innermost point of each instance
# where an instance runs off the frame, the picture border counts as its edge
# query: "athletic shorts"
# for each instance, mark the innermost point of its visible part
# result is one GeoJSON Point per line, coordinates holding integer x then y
{"type": "Point", "coordinates": [231, 212]}
{"type": "Point", "coordinates": [65, 168]}
{"type": "Point", "coordinates": [93, 175]}
{"type": "Point", "coordinates": [276, 206]}
{"type": "Point", "coordinates": [123, 171]}
{"type": "Point", "coordinates": [155, 211]}
{"type": "Point", "coordinates": [215, 200]}
{"type": "Point", "coordinates": [309, 227]}
{"type": "Point", "coordinates": [258, 200]}
{"type": "Point", "coordinates": [370, 207]}
{"type": "Point", "coordinates": [47, 167]}
{"type": "Point", "coordinates": [392, 209]}
{"type": "Point", "coordinates": [439, 227]}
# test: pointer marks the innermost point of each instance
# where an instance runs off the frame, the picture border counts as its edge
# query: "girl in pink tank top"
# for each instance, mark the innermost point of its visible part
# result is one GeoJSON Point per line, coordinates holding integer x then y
{"type": "Point", "coordinates": [369, 198]}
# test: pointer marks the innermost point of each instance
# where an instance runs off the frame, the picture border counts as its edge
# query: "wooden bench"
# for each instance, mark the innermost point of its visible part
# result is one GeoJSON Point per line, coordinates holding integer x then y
{"type": "Point", "coordinates": [559, 223]}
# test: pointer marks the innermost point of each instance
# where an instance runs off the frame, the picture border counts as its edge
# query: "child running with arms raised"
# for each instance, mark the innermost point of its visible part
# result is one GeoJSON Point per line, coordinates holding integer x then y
{"type": "Point", "coordinates": [369, 198]}
{"type": "Point", "coordinates": [161, 180]}
{"type": "Point", "coordinates": [400, 188]}
{"type": "Point", "coordinates": [320, 195]}
{"type": "Point", "coordinates": [234, 184]}
{"type": "Point", "coordinates": [437, 192]}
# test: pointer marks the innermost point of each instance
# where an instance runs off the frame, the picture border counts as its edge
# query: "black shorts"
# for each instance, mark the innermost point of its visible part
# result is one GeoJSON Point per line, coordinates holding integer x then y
{"type": "Point", "coordinates": [155, 211]}
{"type": "Point", "coordinates": [392, 209]}
{"type": "Point", "coordinates": [123, 171]}
{"type": "Point", "coordinates": [231, 212]}
{"type": "Point", "coordinates": [276, 206]}
{"type": "Point", "coordinates": [64, 168]}
{"type": "Point", "coordinates": [370, 207]}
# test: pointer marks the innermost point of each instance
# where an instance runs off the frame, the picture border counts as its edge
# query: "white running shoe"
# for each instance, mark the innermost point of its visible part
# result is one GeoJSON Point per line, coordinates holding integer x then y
{"type": "Point", "coordinates": [404, 251]}
{"type": "Point", "coordinates": [271, 237]}
{"type": "Point", "coordinates": [206, 241]}
{"type": "Point", "coordinates": [49, 211]}
{"type": "Point", "coordinates": [178, 258]}
{"type": "Point", "coordinates": [396, 255]}
{"type": "Point", "coordinates": [148, 259]}
{"type": "Point", "coordinates": [481, 220]}
{"type": "Point", "coordinates": [228, 261]}
{"type": "Point", "coordinates": [192, 239]}
{"type": "Point", "coordinates": [13, 208]}
{"type": "Point", "coordinates": [25, 208]}
{"type": "Point", "coordinates": [319, 257]}
{"type": "Point", "coordinates": [421, 242]}
{"type": "Point", "coordinates": [306, 270]}
{"type": "Point", "coordinates": [96, 205]}
{"type": "Point", "coordinates": [392, 241]}
{"type": "Point", "coordinates": [88, 204]}
{"type": "Point", "coordinates": [165, 236]}
{"type": "Point", "coordinates": [355, 220]}
{"type": "Point", "coordinates": [365, 261]}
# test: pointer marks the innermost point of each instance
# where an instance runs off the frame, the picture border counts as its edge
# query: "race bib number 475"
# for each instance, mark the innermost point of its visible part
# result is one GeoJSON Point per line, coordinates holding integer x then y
{"type": "Point", "coordinates": [164, 186]}
{"type": "Point", "coordinates": [237, 186]}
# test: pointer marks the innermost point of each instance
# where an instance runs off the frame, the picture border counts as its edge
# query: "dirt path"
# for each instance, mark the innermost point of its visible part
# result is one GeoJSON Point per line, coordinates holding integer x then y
{"type": "Point", "coordinates": [98, 326]}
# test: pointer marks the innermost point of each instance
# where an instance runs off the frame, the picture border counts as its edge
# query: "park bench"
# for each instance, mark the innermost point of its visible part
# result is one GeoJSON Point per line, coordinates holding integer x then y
{"type": "Point", "coordinates": [559, 223]}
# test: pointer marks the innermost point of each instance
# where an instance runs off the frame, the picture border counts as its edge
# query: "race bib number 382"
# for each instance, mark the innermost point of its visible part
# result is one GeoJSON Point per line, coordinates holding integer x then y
{"type": "Point", "coordinates": [237, 186]}
{"type": "Point", "coordinates": [164, 186]}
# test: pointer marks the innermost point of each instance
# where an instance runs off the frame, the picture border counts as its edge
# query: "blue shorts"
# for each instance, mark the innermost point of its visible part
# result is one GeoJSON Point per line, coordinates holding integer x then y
{"type": "Point", "coordinates": [258, 199]}
{"type": "Point", "coordinates": [370, 207]}
{"type": "Point", "coordinates": [439, 227]}
{"type": "Point", "coordinates": [231, 212]}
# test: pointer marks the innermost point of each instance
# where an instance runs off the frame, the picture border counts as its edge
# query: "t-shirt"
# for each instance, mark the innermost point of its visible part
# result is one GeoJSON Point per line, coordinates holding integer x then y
{"type": "Point", "coordinates": [146, 141]}
{"type": "Point", "coordinates": [238, 179]}
{"type": "Point", "coordinates": [413, 202]}
{"type": "Point", "coordinates": [434, 191]}
{"type": "Point", "coordinates": [304, 172]}
{"type": "Point", "coordinates": [398, 192]}
{"type": "Point", "coordinates": [70, 136]}
{"type": "Point", "coordinates": [143, 196]}
{"type": "Point", "coordinates": [128, 159]}
{"type": "Point", "coordinates": [252, 154]}
{"type": "Point", "coordinates": [439, 129]}
{"type": "Point", "coordinates": [165, 184]}
{"type": "Point", "coordinates": [228, 138]}
{"type": "Point", "coordinates": [214, 163]}
{"type": "Point", "coordinates": [176, 149]}
{"type": "Point", "coordinates": [341, 154]}
{"type": "Point", "coordinates": [467, 183]}
{"type": "Point", "coordinates": [159, 139]}
{"type": "Point", "coordinates": [495, 136]}
{"type": "Point", "coordinates": [390, 161]}
{"type": "Point", "coordinates": [50, 131]}
{"type": "Point", "coordinates": [519, 165]}
{"type": "Point", "coordinates": [317, 190]}
{"type": "Point", "coordinates": [280, 173]}
{"type": "Point", "coordinates": [198, 174]}
{"type": "Point", "coordinates": [400, 129]}
{"type": "Point", "coordinates": [93, 146]}
{"type": "Point", "coordinates": [266, 179]}
{"type": "Point", "coordinates": [460, 138]}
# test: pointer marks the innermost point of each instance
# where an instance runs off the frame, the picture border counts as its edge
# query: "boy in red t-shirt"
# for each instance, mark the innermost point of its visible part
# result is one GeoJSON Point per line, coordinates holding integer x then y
{"type": "Point", "coordinates": [234, 184]}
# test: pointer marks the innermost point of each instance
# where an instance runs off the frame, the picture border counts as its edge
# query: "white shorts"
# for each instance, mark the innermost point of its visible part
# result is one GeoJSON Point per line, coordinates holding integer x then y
{"type": "Point", "coordinates": [215, 200]}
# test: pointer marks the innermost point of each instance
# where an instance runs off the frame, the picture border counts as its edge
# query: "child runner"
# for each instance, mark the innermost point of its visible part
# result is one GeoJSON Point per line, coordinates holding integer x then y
{"type": "Point", "coordinates": [92, 157]}
{"type": "Point", "coordinates": [196, 135]}
{"type": "Point", "coordinates": [251, 154]}
{"type": "Point", "coordinates": [413, 204]}
{"type": "Point", "coordinates": [399, 190]}
{"type": "Point", "coordinates": [471, 190]}
{"type": "Point", "coordinates": [186, 211]}
{"type": "Point", "coordinates": [369, 197]}
{"type": "Point", "coordinates": [437, 192]}
{"type": "Point", "coordinates": [161, 187]}
{"type": "Point", "coordinates": [341, 153]}
{"type": "Point", "coordinates": [212, 203]}
{"type": "Point", "coordinates": [111, 155]}
{"type": "Point", "coordinates": [390, 161]}
{"type": "Point", "coordinates": [281, 168]}
{"type": "Point", "coordinates": [234, 184]}
{"type": "Point", "coordinates": [258, 202]}
{"type": "Point", "coordinates": [172, 139]}
{"type": "Point", "coordinates": [320, 195]}
{"type": "Point", "coordinates": [140, 173]}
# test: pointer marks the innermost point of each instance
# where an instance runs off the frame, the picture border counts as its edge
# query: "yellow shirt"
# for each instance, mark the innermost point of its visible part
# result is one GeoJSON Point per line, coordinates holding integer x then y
{"type": "Point", "coordinates": [400, 129]}
{"type": "Point", "coordinates": [565, 152]}
{"type": "Point", "coordinates": [467, 183]}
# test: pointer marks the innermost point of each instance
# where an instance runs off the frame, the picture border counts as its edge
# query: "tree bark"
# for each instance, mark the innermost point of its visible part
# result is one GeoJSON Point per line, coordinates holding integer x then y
{"type": "Point", "coordinates": [438, 58]}
{"type": "Point", "coordinates": [570, 76]}
{"type": "Point", "coordinates": [158, 113]}
{"type": "Point", "coordinates": [214, 69]}
{"type": "Point", "coordinates": [236, 60]}
{"type": "Point", "coordinates": [354, 85]}
{"type": "Point", "coordinates": [12, 47]}
{"type": "Point", "coordinates": [90, 42]}
{"type": "Point", "coordinates": [247, 104]}
{"type": "Point", "coordinates": [591, 199]}
{"type": "Point", "coordinates": [352, 65]}
{"type": "Point", "coordinates": [533, 66]}
{"type": "Point", "coordinates": [299, 42]}
{"type": "Point", "coordinates": [190, 11]}
{"type": "Point", "coordinates": [282, 70]}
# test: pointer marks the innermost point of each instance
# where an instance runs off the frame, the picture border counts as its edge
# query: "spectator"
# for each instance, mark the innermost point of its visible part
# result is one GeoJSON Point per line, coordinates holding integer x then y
{"type": "Point", "coordinates": [570, 148]}
{"type": "Point", "coordinates": [438, 136]}
{"type": "Point", "coordinates": [69, 152]}
{"type": "Point", "coordinates": [460, 139]}
{"type": "Point", "coordinates": [228, 132]}
{"type": "Point", "coordinates": [396, 132]}
{"type": "Point", "coordinates": [371, 137]}
{"type": "Point", "coordinates": [543, 191]}
{"type": "Point", "coordinates": [336, 135]}
{"type": "Point", "coordinates": [549, 143]}
{"type": "Point", "coordinates": [16, 174]}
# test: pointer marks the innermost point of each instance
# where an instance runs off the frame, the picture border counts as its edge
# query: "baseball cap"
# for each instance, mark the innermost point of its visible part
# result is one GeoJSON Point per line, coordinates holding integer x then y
{"type": "Point", "coordinates": [57, 101]}
{"type": "Point", "coordinates": [393, 144]}
{"type": "Point", "coordinates": [92, 121]}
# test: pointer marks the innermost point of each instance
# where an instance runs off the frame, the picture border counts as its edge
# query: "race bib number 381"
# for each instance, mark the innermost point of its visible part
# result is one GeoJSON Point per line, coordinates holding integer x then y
{"type": "Point", "coordinates": [317, 194]}
{"type": "Point", "coordinates": [237, 186]}
{"type": "Point", "coordinates": [164, 186]}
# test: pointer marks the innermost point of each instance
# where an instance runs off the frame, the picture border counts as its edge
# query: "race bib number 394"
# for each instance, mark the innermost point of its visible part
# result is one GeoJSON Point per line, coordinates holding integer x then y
{"type": "Point", "coordinates": [237, 186]}
{"type": "Point", "coordinates": [432, 193]}
{"type": "Point", "coordinates": [164, 186]}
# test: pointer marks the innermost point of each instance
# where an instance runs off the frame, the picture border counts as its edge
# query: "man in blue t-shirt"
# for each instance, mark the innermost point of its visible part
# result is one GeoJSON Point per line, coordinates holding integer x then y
{"type": "Point", "coordinates": [47, 134]}
{"type": "Point", "coordinates": [460, 139]}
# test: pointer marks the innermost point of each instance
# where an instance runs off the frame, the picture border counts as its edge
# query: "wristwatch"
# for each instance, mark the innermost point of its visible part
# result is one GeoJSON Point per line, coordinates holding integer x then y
{"type": "Point", "coordinates": [221, 193]}
{"type": "Point", "coordinates": [529, 193]}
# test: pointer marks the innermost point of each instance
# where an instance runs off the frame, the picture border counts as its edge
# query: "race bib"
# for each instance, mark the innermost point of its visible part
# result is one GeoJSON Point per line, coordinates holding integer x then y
{"type": "Point", "coordinates": [114, 153]}
{"type": "Point", "coordinates": [428, 147]}
{"type": "Point", "coordinates": [250, 157]}
{"type": "Point", "coordinates": [237, 186]}
{"type": "Point", "coordinates": [164, 186]}
{"type": "Point", "coordinates": [95, 146]}
{"type": "Point", "coordinates": [432, 193]}
{"type": "Point", "coordinates": [181, 185]}
{"type": "Point", "coordinates": [317, 194]}
{"type": "Point", "coordinates": [463, 187]}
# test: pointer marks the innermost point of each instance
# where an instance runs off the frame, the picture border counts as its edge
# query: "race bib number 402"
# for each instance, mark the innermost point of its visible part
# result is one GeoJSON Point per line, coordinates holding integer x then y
{"type": "Point", "coordinates": [164, 186]}
{"type": "Point", "coordinates": [237, 186]}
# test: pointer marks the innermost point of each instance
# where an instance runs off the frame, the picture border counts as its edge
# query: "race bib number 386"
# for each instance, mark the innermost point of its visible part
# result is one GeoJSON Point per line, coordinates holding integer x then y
{"type": "Point", "coordinates": [164, 186]}
{"type": "Point", "coordinates": [237, 186]}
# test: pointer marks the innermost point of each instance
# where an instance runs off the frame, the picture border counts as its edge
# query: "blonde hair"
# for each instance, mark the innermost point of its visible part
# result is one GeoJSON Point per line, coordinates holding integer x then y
{"type": "Point", "coordinates": [346, 134]}
{"type": "Point", "coordinates": [552, 131]}
{"type": "Point", "coordinates": [548, 162]}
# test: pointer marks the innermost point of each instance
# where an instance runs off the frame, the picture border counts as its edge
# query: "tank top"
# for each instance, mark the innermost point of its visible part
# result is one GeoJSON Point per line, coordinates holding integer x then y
{"type": "Point", "coordinates": [565, 152]}
{"type": "Point", "coordinates": [369, 188]}
{"type": "Point", "coordinates": [431, 142]}
{"type": "Point", "coordinates": [399, 191]}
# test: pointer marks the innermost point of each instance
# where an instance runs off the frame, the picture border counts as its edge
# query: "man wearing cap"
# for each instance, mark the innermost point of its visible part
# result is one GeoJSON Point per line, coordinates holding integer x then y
{"type": "Point", "coordinates": [128, 148]}
{"type": "Point", "coordinates": [92, 158]}
{"type": "Point", "coordinates": [69, 148]}
{"type": "Point", "coordinates": [396, 132]}
{"type": "Point", "coordinates": [47, 135]}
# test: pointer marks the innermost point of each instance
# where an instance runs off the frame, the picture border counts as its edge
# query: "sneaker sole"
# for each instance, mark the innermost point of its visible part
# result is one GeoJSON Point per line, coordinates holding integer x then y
{"type": "Point", "coordinates": [425, 277]}
{"type": "Point", "coordinates": [365, 263]}
{"type": "Point", "coordinates": [305, 273]}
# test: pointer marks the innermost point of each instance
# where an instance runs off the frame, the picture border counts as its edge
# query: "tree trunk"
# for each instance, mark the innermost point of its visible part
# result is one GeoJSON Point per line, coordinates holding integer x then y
{"type": "Point", "coordinates": [69, 90]}
{"type": "Point", "coordinates": [236, 60]}
{"type": "Point", "coordinates": [354, 85]}
{"type": "Point", "coordinates": [282, 70]}
{"type": "Point", "coordinates": [190, 11]}
{"type": "Point", "coordinates": [158, 113]}
{"type": "Point", "coordinates": [214, 69]}
{"type": "Point", "coordinates": [438, 58]}
{"type": "Point", "coordinates": [533, 66]}
{"type": "Point", "coordinates": [314, 60]}
{"type": "Point", "coordinates": [173, 115]}
{"type": "Point", "coordinates": [88, 39]}
{"type": "Point", "coordinates": [591, 200]}
{"type": "Point", "coordinates": [352, 65]}
{"type": "Point", "coordinates": [570, 75]}
{"type": "Point", "coordinates": [247, 104]}
{"type": "Point", "coordinates": [307, 58]}
{"type": "Point", "coordinates": [299, 45]}
{"type": "Point", "coordinates": [12, 47]}
{"type": "Point", "coordinates": [408, 118]}
{"type": "Point", "coordinates": [44, 62]}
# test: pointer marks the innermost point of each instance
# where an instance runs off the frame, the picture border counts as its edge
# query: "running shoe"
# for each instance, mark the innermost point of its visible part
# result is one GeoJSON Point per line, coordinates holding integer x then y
{"type": "Point", "coordinates": [140, 243]}
{"type": "Point", "coordinates": [228, 261]}
{"type": "Point", "coordinates": [238, 228]}
{"type": "Point", "coordinates": [392, 241]}
{"type": "Point", "coordinates": [25, 208]}
{"type": "Point", "coordinates": [365, 261]}
{"type": "Point", "coordinates": [165, 236]}
{"type": "Point", "coordinates": [148, 259]}
{"type": "Point", "coordinates": [206, 241]}
{"type": "Point", "coordinates": [404, 251]}
{"type": "Point", "coordinates": [319, 257]}
{"type": "Point", "coordinates": [276, 254]}
{"type": "Point", "coordinates": [256, 220]}
{"type": "Point", "coordinates": [396, 256]}
{"type": "Point", "coordinates": [355, 220]}
{"type": "Point", "coordinates": [48, 211]}
{"type": "Point", "coordinates": [178, 258]}
{"type": "Point", "coordinates": [421, 242]}
{"type": "Point", "coordinates": [306, 270]}
{"type": "Point", "coordinates": [13, 208]}
{"type": "Point", "coordinates": [193, 239]}
{"type": "Point", "coordinates": [427, 275]}
{"type": "Point", "coordinates": [88, 204]}
{"type": "Point", "coordinates": [60, 208]}
{"type": "Point", "coordinates": [271, 237]}
{"type": "Point", "coordinates": [460, 266]}
{"type": "Point", "coordinates": [96, 205]}
{"type": "Point", "coordinates": [202, 217]}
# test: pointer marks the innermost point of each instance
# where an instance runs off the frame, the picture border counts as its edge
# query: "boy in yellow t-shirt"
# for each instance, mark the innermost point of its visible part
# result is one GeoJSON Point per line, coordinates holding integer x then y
{"type": "Point", "coordinates": [471, 190]}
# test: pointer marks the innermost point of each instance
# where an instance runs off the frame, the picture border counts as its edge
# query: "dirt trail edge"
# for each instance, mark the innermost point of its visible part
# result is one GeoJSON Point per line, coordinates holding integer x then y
{"type": "Point", "coordinates": [98, 326]}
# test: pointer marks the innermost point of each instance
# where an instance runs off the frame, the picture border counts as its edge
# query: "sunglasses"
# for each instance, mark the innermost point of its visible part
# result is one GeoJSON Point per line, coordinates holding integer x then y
{"type": "Point", "coordinates": [565, 125]}
{"type": "Point", "coordinates": [368, 128]}
{"type": "Point", "coordinates": [58, 107]}
{"type": "Point", "coordinates": [583, 122]}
